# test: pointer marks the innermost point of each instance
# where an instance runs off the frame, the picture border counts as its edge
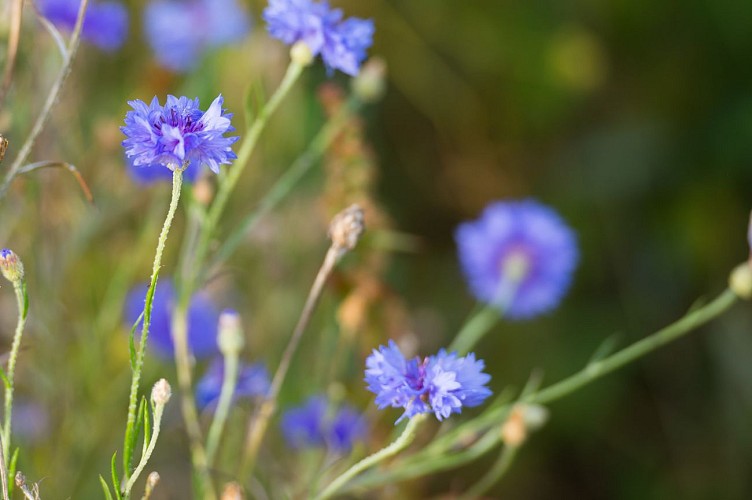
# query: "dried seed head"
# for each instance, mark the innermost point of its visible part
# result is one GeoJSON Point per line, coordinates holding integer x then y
{"type": "Point", "coordinates": [346, 228]}
{"type": "Point", "coordinates": [11, 266]}
{"type": "Point", "coordinates": [232, 491]}
{"type": "Point", "coordinates": [20, 479]}
{"type": "Point", "coordinates": [161, 392]}
{"type": "Point", "coordinates": [151, 482]}
{"type": "Point", "coordinates": [3, 147]}
{"type": "Point", "coordinates": [230, 337]}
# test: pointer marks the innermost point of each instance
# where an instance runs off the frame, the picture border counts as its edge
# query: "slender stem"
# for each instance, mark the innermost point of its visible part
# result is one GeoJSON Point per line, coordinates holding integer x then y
{"type": "Point", "coordinates": [397, 445]}
{"type": "Point", "coordinates": [226, 187]}
{"type": "Point", "coordinates": [260, 420]}
{"type": "Point", "coordinates": [3, 471]}
{"type": "Point", "coordinates": [19, 286]}
{"type": "Point", "coordinates": [177, 182]}
{"type": "Point", "coordinates": [158, 410]}
{"type": "Point", "coordinates": [436, 457]}
{"type": "Point", "coordinates": [284, 185]}
{"type": "Point", "coordinates": [223, 406]}
{"type": "Point", "coordinates": [52, 98]}
{"type": "Point", "coordinates": [494, 474]}
{"type": "Point", "coordinates": [16, 10]}
{"type": "Point", "coordinates": [598, 369]}
{"type": "Point", "coordinates": [474, 329]}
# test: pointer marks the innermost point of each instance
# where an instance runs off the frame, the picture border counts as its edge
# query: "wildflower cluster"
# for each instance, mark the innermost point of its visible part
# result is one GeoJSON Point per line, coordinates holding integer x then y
{"type": "Point", "coordinates": [442, 384]}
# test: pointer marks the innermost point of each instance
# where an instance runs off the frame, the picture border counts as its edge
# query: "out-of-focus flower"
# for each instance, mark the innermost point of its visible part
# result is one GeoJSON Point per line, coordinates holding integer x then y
{"type": "Point", "coordinates": [202, 320]}
{"type": "Point", "coordinates": [341, 43]}
{"type": "Point", "coordinates": [178, 134]}
{"type": "Point", "coordinates": [180, 33]}
{"type": "Point", "coordinates": [315, 424]}
{"type": "Point", "coordinates": [442, 384]}
{"type": "Point", "coordinates": [105, 24]}
{"type": "Point", "coordinates": [31, 421]}
{"type": "Point", "coordinates": [253, 380]}
{"type": "Point", "coordinates": [518, 255]}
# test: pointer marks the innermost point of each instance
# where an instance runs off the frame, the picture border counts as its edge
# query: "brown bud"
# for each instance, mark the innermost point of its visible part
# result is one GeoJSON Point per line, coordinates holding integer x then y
{"type": "Point", "coordinates": [346, 228]}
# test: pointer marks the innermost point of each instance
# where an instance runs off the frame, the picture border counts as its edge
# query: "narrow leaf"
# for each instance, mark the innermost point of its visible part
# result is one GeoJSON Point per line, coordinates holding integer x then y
{"type": "Point", "coordinates": [132, 342]}
{"type": "Point", "coordinates": [115, 479]}
{"type": "Point", "coordinates": [604, 349]}
{"type": "Point", "coordinates": [147, 428]}
{"type": "Point", "coordinates": [105, 488]}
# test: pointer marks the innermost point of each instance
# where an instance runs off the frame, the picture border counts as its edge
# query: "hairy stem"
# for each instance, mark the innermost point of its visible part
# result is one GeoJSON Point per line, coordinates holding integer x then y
{"type": "Point", "coordinates": [223, 406]}
{"type": "Point", "coordinates": [19, 287]}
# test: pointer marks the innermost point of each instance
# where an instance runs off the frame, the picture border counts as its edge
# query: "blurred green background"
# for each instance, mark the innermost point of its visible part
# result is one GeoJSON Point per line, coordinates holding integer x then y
{"type": "Point", "coordinates": [632, 118]}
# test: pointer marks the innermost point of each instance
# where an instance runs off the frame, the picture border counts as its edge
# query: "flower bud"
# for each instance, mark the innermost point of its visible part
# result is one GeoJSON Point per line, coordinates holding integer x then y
{"type": "Point", "coordinates": [370, 84]}
{"type": "Point", "coordinates": [230, 337]}
{"type": "Point", "coordinates": [346, 228]}
{"type": "Point", "coordinates": [151, 482]}
{"type": "Point", "coordinates": [301, 54]}
{"type": "Point", "coordinates": [740, 281]}
{"type": "Point", "coordinates": [161, 392]}
{"type": "Point", "coordinates": [232, 491]}
{"type": "Point", "coordinates": [522, 419]}
{"type": "Point", "coordinates": [11, 266]}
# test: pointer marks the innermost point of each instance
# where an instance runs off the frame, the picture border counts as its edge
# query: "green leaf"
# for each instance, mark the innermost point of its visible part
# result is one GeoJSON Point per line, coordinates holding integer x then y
{"type": "Point", "coordinates": [255, 97]}
{"type": "Point", "coordinates": [533, 383]}
{"type": "Point", "coordinates": [105, 488]}
{"type": "Point", "coordinates": [12, 472]}
{"type": "Point", "coordinates": [132, 436]}
{"type": "Point", "coordinates": [604, 349]}
{"type": "Point", "coordinates": [3, 376]}
{"type": "Point", "coordinates": [26, 300]}
{"type": "Point", "coordinates": [132, 342]}
{"type": "Point", "coordinates": [115, 479]}
{"type": "Point", "coordinates": [147, 428]}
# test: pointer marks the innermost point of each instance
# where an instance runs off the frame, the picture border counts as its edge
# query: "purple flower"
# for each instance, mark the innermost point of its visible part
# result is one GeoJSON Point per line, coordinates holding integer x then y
{"type": "Point", "coordinates": [443, 384]}
{"type": "Point", "coordinates": [519, 256]}
{"type": "Point", "coordinates": [105, 24]}
{"type": "Point", "coordinates": [253, 380]}
{"type": "Point", "coordinates": [202, 320]}
{"type": "Point", "coordinates": [146, 176]}
{"type": "Point", "coordinates": [178, 134]}
{"type": "Point", "coordinates": [342, 44]}
{"type": "Point", "coordinates": [314, 425]}
{"type": "Point", "coordinates": [180, 33]}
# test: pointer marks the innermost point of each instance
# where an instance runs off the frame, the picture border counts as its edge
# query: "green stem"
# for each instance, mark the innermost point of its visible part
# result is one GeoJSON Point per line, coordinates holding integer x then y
{"type": "Point", "coordinates": [19, 286]}
{"type": "Point", "coordinates": [474, 329]}
{"type": "Point", "coordinates": [226, 187]}
{"type": "Point", "coordinates": [158, 410]}
{"type": "Point", "coordinates": [397, 445]}
{"type": "Point", "coordinates": [177, 182]}
{"type": "Point", "coordinates": [497, 471]}
{"type": "Point", "coordinates": [598, 369]}
{"type": "Point", "coordinates": [223, 406]}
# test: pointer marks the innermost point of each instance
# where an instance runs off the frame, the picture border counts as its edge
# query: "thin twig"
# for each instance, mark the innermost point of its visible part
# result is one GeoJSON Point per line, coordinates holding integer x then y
{"type": "Point", "coordinates": [67, 166]}
{"type": "Point", "coordinates": [16, 9]}
{"type": "Point", "coordinates": [52, 98]}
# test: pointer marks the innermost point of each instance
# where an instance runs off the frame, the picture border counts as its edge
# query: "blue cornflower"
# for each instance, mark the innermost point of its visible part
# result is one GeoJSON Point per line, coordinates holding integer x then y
{"type": "Point", "coordinates": [180, 33]}
{"type": "Point", "coordinates": [202, 320]}
{"type": "Point", "coordinates": [105, 24]}
{"type": "Point", "coordinates": [178, 134]}
{"type": "Point", "coordinates": [342, 44]}
{"type": "Point", "coordinates": [314, 425]}
{"type": "Point", "coordinates": [151, 175]}
{"type": "Point", "coordinates": [253, 380]}
{"type": "Point", "coordinates": [519, 255]}
{"type": "Point", "coordinates": [443, 384]}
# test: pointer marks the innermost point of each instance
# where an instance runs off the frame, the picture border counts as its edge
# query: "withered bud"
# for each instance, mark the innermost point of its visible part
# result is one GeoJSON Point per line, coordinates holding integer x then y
{"type": "Point", "coordinates": [301, 53]}
{"type": "Point", "coordinates": [3, 147]}
{"type": "Point", "coordinates": [161, 392]}
{"type": "Point", "coordinates": [346, 228]}
{"type": "Point", "coordinates": [522, 419]}
{"type": "Point", "coordinates": [151, 482]}
{"type": "Point", "coordinates": [740, 280]}
{"type": "Point", "coordinates": [203, 191]}
{"type": "Point", "coordinates": [370, 84]}
{"type": "Point", "coordinates": [232, 491]}
{"type": "Point", "coordinates": [11, 266]}
{"type": "Point", "coordinates": [230, 337]}
{"type": "Point", "coordinates": [20, 479]}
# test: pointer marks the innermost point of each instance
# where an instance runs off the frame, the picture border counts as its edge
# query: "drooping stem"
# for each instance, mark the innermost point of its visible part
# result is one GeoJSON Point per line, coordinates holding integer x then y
{"type": "Point", "coordinates": [177, 182]}
{"type": "Point", "coordinates": [395, 447]}
{"type": "Point", "coordinates": [52, 98]}
{"type": "Point", "coordinates": [19, 286]}
{"type": "Point", "coordinates": [260, 420]}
